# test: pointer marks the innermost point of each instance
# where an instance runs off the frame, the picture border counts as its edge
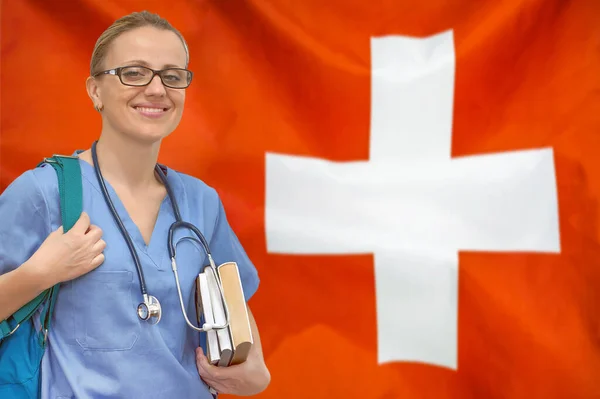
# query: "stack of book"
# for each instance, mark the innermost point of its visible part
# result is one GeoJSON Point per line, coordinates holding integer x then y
{"type": "Point", "coordinates": [230, 345]}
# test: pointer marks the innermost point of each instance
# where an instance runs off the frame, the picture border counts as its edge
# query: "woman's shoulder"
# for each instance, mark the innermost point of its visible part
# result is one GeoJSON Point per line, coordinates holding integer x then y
{"type": "Point", "coordinates": [203, 200]}
{"type": "Point", "coordinates": [195, 186]}
{"type": "Point", "coordinates": [34, 185]}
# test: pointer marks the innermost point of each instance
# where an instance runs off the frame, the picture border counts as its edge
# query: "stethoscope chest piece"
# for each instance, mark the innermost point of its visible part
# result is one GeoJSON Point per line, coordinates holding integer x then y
{"type": "Point", "coordinates": [150, 309]}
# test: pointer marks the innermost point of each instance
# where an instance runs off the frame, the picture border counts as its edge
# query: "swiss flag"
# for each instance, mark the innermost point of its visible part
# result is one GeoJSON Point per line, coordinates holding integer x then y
{"type": "Point", "coordinates": [294, 77]}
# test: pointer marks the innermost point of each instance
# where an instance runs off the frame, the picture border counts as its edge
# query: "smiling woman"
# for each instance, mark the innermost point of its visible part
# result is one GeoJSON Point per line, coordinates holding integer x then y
{"type": "Point", "coordinates": [99, 346]}
{"type": "Point", "coordinates": [123, 81]}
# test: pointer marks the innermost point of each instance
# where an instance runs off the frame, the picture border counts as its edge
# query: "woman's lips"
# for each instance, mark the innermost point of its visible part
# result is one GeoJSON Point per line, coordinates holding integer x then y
{"type": "Point", "coordinates": [151, 112]}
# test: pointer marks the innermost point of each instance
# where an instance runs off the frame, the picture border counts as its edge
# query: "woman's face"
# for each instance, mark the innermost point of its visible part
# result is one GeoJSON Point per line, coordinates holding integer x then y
{"type": "Point", "coordinates": [148, 113]}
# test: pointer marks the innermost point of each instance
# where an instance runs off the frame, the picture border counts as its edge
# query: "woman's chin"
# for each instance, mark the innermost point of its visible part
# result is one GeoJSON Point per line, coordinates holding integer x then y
{"type": "Point", "coordinates": [149, 135]}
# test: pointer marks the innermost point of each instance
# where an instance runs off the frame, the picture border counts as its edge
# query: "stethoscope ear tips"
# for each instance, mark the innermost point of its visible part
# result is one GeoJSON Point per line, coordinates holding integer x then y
{"type": "Point", "coordinates": [150, 309]}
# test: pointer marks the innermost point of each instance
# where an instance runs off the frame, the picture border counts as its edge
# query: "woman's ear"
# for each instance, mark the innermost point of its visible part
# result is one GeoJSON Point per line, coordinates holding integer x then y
{"type": "Point", "coordinates": [93, 91]}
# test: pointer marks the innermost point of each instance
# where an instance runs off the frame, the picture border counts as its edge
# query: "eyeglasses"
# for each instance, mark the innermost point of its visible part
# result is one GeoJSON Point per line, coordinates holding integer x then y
{"type": "Point", "coordinates": [175, 78]}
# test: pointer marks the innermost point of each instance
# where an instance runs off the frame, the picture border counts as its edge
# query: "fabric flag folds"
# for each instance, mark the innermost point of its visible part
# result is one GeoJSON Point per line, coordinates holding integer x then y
{"type": "Point", "coordinates": [417, 182]}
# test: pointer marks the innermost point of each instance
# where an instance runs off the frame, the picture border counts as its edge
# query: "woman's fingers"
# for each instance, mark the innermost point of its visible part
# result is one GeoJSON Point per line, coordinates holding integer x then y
{"type": "Point", "coordinates": [98, 260]}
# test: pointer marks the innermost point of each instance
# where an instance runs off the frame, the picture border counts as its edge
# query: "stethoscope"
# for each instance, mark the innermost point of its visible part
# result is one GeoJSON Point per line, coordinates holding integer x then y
{"type": "Point", "coordinates": [150, 309]}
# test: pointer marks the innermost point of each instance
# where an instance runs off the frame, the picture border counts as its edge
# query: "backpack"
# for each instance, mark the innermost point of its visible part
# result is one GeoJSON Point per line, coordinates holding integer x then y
{"type": "Point", "coordinates": [22, 345]}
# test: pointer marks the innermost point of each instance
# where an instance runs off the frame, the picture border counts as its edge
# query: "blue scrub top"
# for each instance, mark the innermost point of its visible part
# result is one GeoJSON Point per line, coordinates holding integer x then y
{"type": "Point", "coordinates": [98, 348]}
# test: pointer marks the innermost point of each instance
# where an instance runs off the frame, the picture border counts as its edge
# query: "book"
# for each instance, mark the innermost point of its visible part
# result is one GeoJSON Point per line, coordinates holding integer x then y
{"type": "Point", "coordinates": [223, 334]}
{"type": "Point", "coordinates": [239, 322]}
{"type": "Point", "coordinates": [230, 345]}
{"type": "Point", "coordinates": [204, 311]}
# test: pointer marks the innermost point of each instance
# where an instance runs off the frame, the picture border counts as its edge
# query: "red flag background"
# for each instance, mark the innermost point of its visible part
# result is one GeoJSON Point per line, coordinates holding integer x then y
{"type": "Point", "coordinates": [294, 77]}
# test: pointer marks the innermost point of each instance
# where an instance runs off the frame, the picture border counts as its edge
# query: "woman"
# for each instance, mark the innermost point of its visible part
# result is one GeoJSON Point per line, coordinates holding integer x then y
{"type": "Point", "coordinates": [98, 346]}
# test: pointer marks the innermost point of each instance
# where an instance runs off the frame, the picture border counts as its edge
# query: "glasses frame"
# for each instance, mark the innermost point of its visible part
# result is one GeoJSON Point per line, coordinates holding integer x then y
{"type": "Point", "coordinates": [117, 72]}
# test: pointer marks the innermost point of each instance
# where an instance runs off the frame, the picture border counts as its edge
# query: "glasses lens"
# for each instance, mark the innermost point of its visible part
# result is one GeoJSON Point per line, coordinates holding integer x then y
{"type": "Point", "coordinates": [178, 78]}
{"type": "Point", "coordinates": [136, 76]}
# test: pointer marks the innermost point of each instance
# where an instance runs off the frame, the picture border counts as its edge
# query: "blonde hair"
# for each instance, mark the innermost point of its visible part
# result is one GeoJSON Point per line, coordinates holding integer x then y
{"type": "Point", "coordinates": [124, 24]}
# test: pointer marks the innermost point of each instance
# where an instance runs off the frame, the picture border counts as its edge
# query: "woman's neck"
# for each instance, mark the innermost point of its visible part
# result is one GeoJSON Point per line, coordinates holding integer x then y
{"type": "Point", "coordinates": [127, 163]}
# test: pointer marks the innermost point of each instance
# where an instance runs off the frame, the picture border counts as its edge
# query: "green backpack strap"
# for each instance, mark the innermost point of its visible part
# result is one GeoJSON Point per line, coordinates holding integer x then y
{"type": "Point", "coordinates": [71, 205]}
{"type": "Point", "coordinates": [69, 186]}
{"type": "Point", "coordinates": [70, 189]}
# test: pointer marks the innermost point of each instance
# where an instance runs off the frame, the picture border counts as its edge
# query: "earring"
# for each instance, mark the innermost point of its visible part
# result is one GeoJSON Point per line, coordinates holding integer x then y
{"type": "Point", "coordinates": [99, 108]}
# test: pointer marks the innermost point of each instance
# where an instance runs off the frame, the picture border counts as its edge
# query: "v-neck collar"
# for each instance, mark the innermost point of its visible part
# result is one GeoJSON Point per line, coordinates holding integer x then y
{"type": "Point", "coordinates": [157, 247]}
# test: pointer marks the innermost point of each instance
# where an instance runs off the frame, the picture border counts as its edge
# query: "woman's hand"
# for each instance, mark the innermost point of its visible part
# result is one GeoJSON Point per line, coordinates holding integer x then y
{"type": "Point", "coordinates": [65, 256]}
{"type": "Point", "coordinates": [246, 379]}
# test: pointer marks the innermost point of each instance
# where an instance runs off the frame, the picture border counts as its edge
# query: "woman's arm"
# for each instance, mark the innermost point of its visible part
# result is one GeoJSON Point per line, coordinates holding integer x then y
{"type": "Point", "coordinates": [18, 287]}
{"type": "Point", "coordinates": [256, 349]}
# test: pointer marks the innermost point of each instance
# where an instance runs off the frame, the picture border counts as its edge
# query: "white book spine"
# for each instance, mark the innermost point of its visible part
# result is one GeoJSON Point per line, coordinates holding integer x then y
{"type": "Point", "coordinates": [223, 336]}
{"type": "Point", "coordinates": [212, 342]}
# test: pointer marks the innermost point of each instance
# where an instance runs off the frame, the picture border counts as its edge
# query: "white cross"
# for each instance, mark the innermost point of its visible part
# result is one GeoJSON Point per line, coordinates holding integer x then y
{"type": "Point", "coordinates": [411, 204]}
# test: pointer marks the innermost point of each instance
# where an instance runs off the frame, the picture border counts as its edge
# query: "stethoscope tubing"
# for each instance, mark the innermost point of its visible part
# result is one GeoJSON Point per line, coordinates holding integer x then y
{"type": "Point", "coordinates": [117, 218]}
{"type": "Point", "coordinates": [213, 269]}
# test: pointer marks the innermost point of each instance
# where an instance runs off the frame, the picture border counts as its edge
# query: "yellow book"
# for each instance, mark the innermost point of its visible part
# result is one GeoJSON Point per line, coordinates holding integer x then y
{"type": "Point", "coordinates": [239, 323]}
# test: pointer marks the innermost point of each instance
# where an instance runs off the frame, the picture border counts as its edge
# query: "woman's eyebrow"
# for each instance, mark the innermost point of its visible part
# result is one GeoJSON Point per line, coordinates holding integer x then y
{"type": "Point", "coordinates": [144, 63]}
